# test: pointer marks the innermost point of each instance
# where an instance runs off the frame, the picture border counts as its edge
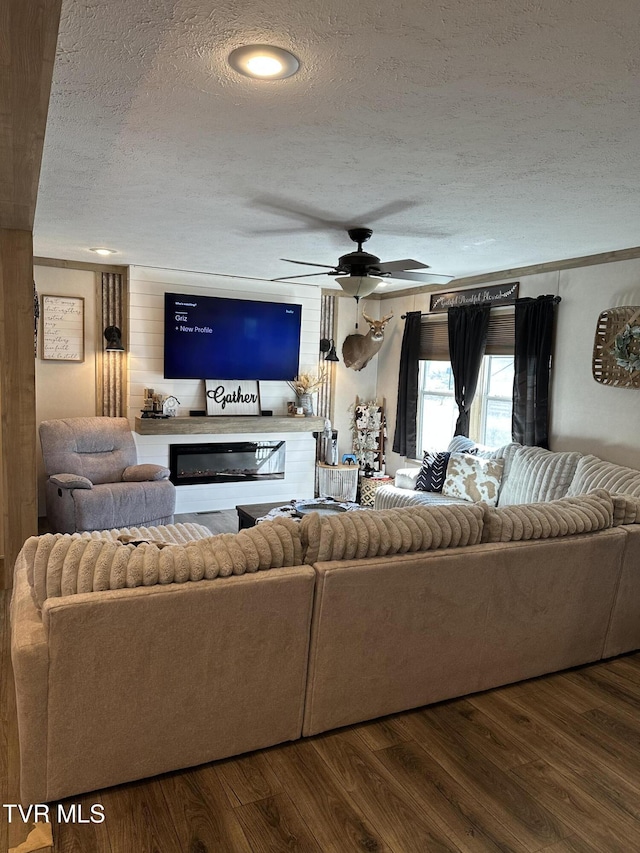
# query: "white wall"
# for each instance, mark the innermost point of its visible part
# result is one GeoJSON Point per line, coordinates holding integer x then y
{"type": "Point", "coordinates": [66, 389]}
{"type": "Point", "coordinates": [146, 336]}
{"type": "Point", "coordinates": [585, 415]}
{"type": "Point", "coordinates": [349, 383]}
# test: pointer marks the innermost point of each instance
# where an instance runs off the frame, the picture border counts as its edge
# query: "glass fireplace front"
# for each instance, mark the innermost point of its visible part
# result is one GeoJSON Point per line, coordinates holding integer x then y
{"type": "Point", "coordinates": [226, 462]}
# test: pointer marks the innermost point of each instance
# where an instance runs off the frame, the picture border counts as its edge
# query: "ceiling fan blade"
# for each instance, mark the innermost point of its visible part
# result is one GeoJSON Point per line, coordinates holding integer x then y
{"type": "Point", "coordinates": [296, 209]}
{"type": "Point", "coordinates": [422, 277]}
{"type": "Point", "coordinates": [306, 275]}
{"type": "Point", "coordinates": [406, 264]}
{"type": "Point", "coordinates": [307, 264]}
{"type": "Point", "coordinates": [317, 220]}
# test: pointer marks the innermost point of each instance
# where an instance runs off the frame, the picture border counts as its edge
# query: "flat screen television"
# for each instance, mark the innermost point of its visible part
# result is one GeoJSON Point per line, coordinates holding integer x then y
{"type": "Point", "coordinates": [211, 337]}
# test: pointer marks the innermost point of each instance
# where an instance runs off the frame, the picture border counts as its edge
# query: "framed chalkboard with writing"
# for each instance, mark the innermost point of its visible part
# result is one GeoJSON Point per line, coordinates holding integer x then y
{"type": "Point", "coordinates": [62, 328]}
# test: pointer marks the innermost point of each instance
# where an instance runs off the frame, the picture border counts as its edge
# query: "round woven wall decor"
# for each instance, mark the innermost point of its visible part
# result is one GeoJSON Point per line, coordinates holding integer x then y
{"type": "Point", "coordinates": [605, 367]}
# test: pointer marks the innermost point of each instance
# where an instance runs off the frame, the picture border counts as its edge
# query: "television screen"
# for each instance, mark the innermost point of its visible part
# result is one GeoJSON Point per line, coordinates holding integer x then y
{"type": "Point", "coordinates": [209, 337]}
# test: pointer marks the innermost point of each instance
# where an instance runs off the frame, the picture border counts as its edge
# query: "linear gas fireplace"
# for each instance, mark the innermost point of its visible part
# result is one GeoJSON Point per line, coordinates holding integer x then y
{"type": "Point", "coordinates": [226, 462]}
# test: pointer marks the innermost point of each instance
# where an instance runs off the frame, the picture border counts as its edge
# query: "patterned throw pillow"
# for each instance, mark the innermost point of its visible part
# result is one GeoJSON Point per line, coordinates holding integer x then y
{"type": "Point", "coordinates": [433, 472]}
{"type": "Point", "coordinates": [473, 479]}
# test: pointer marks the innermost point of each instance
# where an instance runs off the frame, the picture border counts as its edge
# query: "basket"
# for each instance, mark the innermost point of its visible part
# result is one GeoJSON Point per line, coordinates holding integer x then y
{"type": "Point", "coordinates": [604, 367]}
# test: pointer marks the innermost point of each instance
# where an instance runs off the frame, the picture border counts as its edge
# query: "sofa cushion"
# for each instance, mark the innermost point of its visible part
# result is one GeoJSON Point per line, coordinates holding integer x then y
{"type": "Point", "coordinates": [433, 472]}
{"type": "Point", "coordinates": [61, 564]}
{"type": "Point", "coordinates": [147, 472]}
{"type": "Point", "coordinates": [593, 473]}
{"type": "Point", "coordinates": [392, 497]}
{"type": "Point", "coordinates": [355, 535]}
{"type": "Point", "coordinates": [583, 514]}
{"type": "Point", "coordinates": [538, 475]}
{"type": "Point", "coordinates": [473, 479]}
{"type": "Point", "coordinates": [626, 509]}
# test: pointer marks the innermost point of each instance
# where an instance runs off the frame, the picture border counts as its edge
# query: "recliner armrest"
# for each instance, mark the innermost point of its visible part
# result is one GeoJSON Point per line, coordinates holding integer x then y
{"type": "Point", "coordinates": [145, 473]}
{"type": "Point", "coordinates": [71, 481]}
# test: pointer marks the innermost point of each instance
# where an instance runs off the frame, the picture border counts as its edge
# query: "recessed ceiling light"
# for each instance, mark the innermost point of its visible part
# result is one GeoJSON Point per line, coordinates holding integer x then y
{"type": "Point", "coordinates": [263, 61]}
{"type": "Point", "coordinates": [102, 251]}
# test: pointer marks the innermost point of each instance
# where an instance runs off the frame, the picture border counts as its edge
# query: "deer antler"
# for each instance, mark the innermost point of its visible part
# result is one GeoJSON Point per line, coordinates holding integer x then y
{"type": "Point", "coordinates": [386, 318]}
{"type": "Point", "coordinates": [368, 319]}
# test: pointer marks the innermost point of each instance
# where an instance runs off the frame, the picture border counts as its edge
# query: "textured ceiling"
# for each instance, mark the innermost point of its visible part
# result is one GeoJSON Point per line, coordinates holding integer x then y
{"type": "Point", "coordinates": [472, 135]}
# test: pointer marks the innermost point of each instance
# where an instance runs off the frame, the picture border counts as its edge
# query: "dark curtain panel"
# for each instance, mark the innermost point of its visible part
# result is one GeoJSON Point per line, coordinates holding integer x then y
{"type": "Point", "coordinates": [404, 439]}
{"type": "Point", "coordinates": [468, 326]}
{"type": "Point", "coordinates": [532, 365]}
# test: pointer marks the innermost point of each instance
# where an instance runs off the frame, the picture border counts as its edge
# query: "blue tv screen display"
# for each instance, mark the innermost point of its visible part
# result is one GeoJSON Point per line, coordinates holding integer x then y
{"type": "Point", "coordinates": [209, 337]}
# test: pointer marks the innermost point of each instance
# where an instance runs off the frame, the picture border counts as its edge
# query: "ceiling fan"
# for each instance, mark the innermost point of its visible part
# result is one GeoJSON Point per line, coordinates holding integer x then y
{"type": "Point", "coordinates": [359, 273]}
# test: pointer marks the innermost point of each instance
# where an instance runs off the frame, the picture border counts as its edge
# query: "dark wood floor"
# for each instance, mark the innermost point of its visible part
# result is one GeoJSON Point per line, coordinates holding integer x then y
{"type": "Point", "coordinates": [547, 765]}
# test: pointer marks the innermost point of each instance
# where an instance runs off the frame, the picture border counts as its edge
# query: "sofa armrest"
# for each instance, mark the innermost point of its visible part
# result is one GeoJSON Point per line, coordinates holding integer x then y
{"type": "Point", "coordinates": [71, 481]}
{"type": "Point", "coordinates": [406, 477]}
{"type": "Point", "coordinates": [145, 473]}
{"type": "Point", "coordinates": [30, 658]}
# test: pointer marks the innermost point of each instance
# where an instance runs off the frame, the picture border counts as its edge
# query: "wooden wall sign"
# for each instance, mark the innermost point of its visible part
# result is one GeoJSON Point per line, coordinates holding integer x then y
{"type": "Point", "coordinates": [62, 328]}
{"type": "Point", "coordinates": [232, 397]}
{"type": "Point", "coordinates": [494, 294]}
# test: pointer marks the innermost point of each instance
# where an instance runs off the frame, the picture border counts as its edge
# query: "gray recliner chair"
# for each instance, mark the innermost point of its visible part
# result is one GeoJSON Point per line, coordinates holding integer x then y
{"type": "Point", "coordinates": [94, 481]}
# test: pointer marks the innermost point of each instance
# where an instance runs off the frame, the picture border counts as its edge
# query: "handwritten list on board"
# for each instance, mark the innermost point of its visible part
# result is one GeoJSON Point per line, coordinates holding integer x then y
{"type": "Point", "coordinates": [63, 328]}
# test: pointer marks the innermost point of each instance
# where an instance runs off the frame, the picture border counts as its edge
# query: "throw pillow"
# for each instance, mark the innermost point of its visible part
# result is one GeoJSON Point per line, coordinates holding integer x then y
{"type": "Point", "coordinates": [433, 472]}
{"type": "Point", "coordinates": [473, 479]}
{"type": "Point", "coordinates": [538, 475]}
{"type": "Point", "coordinates": [144, 473]}
{"type": "Point", "coordinates": [462, 444]}
{"type": "Point", "coordinates": [71, 481]}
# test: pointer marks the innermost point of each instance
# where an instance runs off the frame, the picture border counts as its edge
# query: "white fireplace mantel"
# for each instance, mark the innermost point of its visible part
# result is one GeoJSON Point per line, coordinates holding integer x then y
{"type": "Point", "coordinates": [154, 436]}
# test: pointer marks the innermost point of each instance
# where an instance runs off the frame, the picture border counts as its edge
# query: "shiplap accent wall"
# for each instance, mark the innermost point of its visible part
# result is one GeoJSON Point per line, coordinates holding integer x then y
{"type": "Point", "coordinates": [147, 287]}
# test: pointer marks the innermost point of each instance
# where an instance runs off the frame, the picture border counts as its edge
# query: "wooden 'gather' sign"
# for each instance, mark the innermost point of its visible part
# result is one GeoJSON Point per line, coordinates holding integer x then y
{"type": "Point", "coordinates": [232, 397]}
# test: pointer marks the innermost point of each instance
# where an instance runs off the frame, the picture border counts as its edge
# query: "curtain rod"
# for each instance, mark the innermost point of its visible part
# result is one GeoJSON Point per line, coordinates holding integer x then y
{"type": "Point", "coordinates": [554, 299]}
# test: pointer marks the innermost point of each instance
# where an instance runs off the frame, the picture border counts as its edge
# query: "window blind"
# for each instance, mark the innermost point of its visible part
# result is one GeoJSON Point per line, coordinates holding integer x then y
{"type": "Point", "coordinates": [434, 335]}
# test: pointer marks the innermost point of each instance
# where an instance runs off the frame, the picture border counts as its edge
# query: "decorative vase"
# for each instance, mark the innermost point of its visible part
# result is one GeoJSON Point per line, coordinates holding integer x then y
{"type": "Point", "coordinates": [305, 402]}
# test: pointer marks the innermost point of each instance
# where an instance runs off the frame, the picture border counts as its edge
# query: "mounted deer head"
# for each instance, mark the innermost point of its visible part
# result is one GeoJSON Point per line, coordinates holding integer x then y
{"type": "Point", "coordinates": [358, 350]}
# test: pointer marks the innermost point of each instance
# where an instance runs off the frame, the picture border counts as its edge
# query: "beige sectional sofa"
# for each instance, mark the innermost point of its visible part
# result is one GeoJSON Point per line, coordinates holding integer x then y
{"type": "Point", "coordinates": [530, 475]}
{"type": "Point", "coordinates": [135, 659]}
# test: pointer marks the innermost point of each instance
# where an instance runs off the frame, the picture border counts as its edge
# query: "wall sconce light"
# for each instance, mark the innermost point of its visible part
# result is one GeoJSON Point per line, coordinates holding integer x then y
{"type": "Point", "coordinates": [327, 345]}
{"type": "Point", "coordinates": [113, 337]}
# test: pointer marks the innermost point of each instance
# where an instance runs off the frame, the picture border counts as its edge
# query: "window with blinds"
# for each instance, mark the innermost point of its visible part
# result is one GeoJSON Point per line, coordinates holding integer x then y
{"type": "Point", "coordinates": [434, 335]}
{"type": "Point", "coordinates": [490, 421]}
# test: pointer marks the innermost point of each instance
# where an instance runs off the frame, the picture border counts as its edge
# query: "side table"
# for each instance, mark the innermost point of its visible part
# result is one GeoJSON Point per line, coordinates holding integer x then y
{"type": "Point", "coordinates": [369, 486]}
{"type": "Point", "coordinates": [338, 481]}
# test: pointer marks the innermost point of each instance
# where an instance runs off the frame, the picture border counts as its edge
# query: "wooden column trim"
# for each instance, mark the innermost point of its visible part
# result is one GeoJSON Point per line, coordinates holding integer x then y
{"type": "Point", "coordinates": [17, 392]}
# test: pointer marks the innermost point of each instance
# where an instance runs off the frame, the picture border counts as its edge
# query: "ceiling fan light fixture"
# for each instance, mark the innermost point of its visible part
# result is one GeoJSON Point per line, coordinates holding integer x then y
{"type": "Point", "coordinates": [358, 285]}
{"type": "Point", "coordinates": [263, 62]}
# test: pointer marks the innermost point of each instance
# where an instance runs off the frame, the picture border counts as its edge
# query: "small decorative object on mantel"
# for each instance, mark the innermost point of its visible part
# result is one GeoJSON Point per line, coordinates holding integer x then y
{"type": "Point", "coordinates": [232, 397]}
{"type": "Point", "coordinates": [170, 406]}
{"type": "Point", "coordinates": [152, 404]}
{"type": "Point", "coordinates": [616, 348]}
{"type": "Point", "coordinates": [303, 386]}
